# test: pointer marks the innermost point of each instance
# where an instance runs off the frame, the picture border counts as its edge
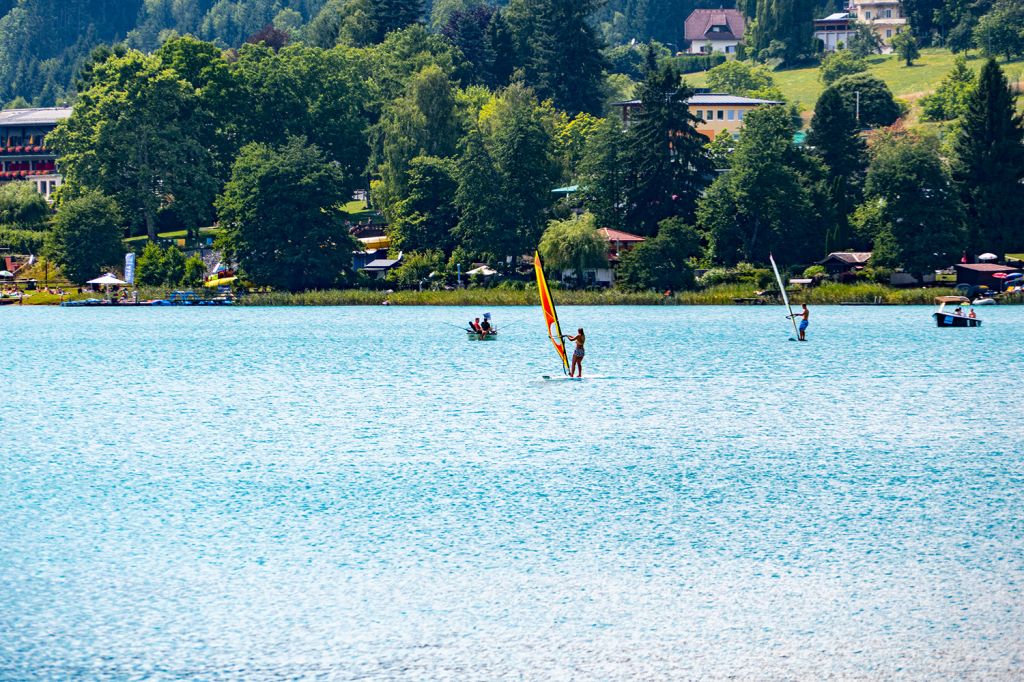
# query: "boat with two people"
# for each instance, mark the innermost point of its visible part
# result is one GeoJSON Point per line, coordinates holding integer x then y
{"type": "Point", "coordinates": [959, 316]}
{"type": "Point", "coordinates": [482, 330]}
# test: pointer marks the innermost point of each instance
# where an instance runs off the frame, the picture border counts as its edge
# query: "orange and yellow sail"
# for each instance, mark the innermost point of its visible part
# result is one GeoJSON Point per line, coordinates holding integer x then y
{"type": "Point", "coordinates": [550, 316]}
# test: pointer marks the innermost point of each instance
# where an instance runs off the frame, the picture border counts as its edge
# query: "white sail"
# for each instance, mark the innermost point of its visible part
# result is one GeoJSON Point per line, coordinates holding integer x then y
{"type": "Point", "coordinates": [785, 298]}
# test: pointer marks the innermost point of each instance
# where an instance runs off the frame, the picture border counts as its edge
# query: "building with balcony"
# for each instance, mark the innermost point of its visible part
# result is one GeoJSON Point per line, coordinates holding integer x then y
{"type": "Point", "coordinates": [884, 17]}
{"type": "Point", "coordinates": [718, 113]}
{"type": "Point", "coordinates": [713, 30]}
{"type": "Point", "coordinates": [24, 154]}
{"type": "Point", "coordinates": [835, 31]}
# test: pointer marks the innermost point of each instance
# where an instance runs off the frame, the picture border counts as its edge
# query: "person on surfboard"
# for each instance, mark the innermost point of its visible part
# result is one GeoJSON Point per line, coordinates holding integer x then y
{"type": "Point", "coordinates": [805, 314]}
{"type": "Point", "coordinates": [577, 355]}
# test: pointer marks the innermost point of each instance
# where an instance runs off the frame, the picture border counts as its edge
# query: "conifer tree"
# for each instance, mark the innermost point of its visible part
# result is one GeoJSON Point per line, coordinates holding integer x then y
{"type": "Point", "coordinates": [834, 139]}
{"type": "Point", "coordinates": [385, 16]}
{"type": "Point", "coordinates": [565, 63]}
{"type": "Point", "coordinates": [666, 161]}
{"type": "Point", "coordinates": [989, 164]}
{"type": "Point", "coordinates": [499, 52]}
{"type": "Point", "coordinates": [782, 28]}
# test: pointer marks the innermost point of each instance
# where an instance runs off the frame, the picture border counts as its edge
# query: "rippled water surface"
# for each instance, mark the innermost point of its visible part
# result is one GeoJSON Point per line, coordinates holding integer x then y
{"type": "Point", "coordinates": [341, 493]}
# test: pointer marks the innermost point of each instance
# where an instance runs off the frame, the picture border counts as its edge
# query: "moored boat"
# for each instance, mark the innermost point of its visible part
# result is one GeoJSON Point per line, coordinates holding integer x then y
{"type": "Point", "coordinates": [489, 336]}
{"type": "Point", "coordinates": [956, 318]}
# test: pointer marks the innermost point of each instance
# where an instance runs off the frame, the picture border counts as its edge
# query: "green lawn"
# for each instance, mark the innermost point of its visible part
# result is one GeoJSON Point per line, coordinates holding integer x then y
{"type": "Point", "coordinates": [177, 234]}
{"type": "Point", "coordinates": [802, 86]}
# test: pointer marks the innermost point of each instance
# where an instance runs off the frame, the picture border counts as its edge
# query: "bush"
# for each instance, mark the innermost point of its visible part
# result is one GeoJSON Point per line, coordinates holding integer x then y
{"type": "Point", "coordinates": [838, 64]}
{"type": "Point", "coordinates": [159, 267]}
{"type": "Point", "coordinates": [22, 206]}
{"type": "Point", "coordinates": [877, 105]}
{"type": "Point", "coordinates": [815, 272]}
{"type": "Point", "coordinates": [697, 62]}
{"type": "Point", "coordinates": [195, 272]}
{"type": "Point", "coordinates": [22, 241]}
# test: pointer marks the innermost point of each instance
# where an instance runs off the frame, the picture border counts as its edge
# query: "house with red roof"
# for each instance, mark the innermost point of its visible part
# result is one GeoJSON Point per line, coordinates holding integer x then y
{"type": "Point", "coordinates": [714, 30]}
{"type": "Point", "coordinates": [619, 242]}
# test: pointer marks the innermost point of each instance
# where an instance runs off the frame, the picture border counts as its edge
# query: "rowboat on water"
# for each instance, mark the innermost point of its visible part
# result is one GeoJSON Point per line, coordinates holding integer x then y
{"type": "Point", "coordinates": [475, 336]}
{"type": "Point", "coordinates": [957, 317]}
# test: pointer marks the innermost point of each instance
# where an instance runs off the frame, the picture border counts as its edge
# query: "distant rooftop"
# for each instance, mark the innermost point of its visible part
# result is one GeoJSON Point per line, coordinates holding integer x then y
{"type": "Point", "coordinates": [714, 24]}
{"type": "Point", "coordinates": [709, 99]}
{"type": "Point", "coordinates": [838, 16]}
{"type": "Point", "coordinates": [28, 117]}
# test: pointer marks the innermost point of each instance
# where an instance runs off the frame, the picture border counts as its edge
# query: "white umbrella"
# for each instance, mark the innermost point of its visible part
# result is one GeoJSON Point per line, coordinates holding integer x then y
{"type": "Point", "coordinates": [482, 270]}
{"type": "Point", "coordinates": [6, 273]}
{"type": "Point", "coordinates": [106, 279]}
{"type": "Point", "coordinates": [988, 256]}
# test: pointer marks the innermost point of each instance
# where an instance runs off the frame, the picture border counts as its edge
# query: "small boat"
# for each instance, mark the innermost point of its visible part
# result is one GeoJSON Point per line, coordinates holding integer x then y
{"type": "Point", "coordinates": [489, 336]}
{"type": "Point", "coordinates": [984, 301]}
{"type": "Point", "coordinates": [944, 318]}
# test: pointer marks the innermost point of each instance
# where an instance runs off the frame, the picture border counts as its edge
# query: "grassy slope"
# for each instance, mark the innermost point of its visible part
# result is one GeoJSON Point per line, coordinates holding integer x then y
{"type": "Point", "coordinates": [803, 86]}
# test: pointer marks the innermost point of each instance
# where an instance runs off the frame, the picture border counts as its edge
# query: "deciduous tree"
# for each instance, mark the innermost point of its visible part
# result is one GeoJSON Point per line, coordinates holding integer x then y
{"type": "Point", "coordinates": [86, 236]}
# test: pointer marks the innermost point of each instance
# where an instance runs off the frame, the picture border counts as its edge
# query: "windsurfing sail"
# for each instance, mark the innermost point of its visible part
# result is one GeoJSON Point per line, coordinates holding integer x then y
{"type": "Point", "coordinates": [550, 316]}
{"type": "Point", "coordinates": [785, 298]}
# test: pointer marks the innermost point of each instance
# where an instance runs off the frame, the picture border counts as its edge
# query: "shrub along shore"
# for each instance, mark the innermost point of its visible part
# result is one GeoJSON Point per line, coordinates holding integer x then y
{"type": "Point", "coordinates": [725, 294]}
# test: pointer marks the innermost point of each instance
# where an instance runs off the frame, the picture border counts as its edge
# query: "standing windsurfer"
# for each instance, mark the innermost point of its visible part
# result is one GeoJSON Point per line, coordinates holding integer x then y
{"type": "Point", "coordinates": [805, 314]}
{"type": "Point", "coordinates": [577, 355]}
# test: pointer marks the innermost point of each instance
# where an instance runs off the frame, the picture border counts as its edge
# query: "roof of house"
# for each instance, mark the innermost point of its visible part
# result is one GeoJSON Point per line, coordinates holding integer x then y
{"type": "Point", "coordinates": [851, 257]}
{"type": "Point", "coordinates": [699, 23]}
{"type": "Point", "coordinates": [619, 236]}
{"type": "Point", "coordinates": [383, 263]}
{"type": "Point", "coordinates": [987, 267]}
{"type": "Point", "coordinates": [838, 16]}
{"type": "Point", "coordinates": [27, 117]}
{"type": "Point", "coordinates": [708, 99]}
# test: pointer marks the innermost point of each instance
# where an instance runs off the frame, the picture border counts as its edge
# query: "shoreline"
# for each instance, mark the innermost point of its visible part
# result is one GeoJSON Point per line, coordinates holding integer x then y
{"type": "Point", "coordinates": [720, 295]}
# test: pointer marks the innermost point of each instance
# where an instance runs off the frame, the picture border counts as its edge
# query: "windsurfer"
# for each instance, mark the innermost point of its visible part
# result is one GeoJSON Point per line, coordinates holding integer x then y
{"type": "Point", "coordinates": [577, 355]}
{"type": "Point", "coordinates": [805, 314]}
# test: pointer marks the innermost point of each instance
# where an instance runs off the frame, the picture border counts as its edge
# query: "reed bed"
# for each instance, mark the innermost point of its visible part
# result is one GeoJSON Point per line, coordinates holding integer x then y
{"type": "Point", "coordinates": [722, 294]}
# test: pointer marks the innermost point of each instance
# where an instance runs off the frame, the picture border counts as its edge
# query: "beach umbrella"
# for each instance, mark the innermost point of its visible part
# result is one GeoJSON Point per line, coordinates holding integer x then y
{"type": "Point", "coordinates": [107, 279]}
{"type": "Point", "coordinates": [6, 273]}
{"type": "Point", "coordinates": [482, 270]}
{"type": "Point", "coordinates": [988, 256]}
{"type": "Point", "coordinates": [999, 275]}
{"type": "Point", "coordinates": [1014, 275]}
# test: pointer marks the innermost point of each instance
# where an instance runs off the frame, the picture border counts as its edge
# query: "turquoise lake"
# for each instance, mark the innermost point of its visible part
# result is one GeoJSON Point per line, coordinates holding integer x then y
{"type": "Point", "coordinates": [361, 493]}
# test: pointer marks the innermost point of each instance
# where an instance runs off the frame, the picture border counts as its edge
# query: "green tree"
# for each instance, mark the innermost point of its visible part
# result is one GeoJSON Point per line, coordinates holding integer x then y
{"type": "Point", "coordinates": [877, 106]}
{"type": "Point", "coordinates": [565, 61]}
{"type": "Point", "coordinates": [482, 223]}
{"type": "Point", "coordinates": [130, 136]}
{"type": "Point", "coordinates": [922, 217]}
{"type": "Point", "coordinates": [835, 65]}
{"type": "Point", "coordinates": [603, 176]}
{"type": "Point", "coordinates": [1001, 31]}
{"type": "Point", "coordinates": [950, 100]}
{"type": "Point", "coordinates": [864, 42]}
{"type": "Point", "coordinates": [519, 147]}
{"type": "Point", "coordinates": [782, 29]}
{"type": "Point", "coordinates": [425, 218]}
{"type": "Point", "coordinates": [769, 201]}
{"type": "Point", "coordinates": [301, 91]}
{"type": "Point", "coordinates": [22, 206]}
{"type": "Point", "coordinates": [150, 268]}
{"type": "Point", "coordinates": [905, 45]}
{"type": "Point", "coordinates": [415, 268]}
{"type": "Point", "coordinates": [741, 78]}
{"type": "Point", "coordinates": [174, 265]}
{"type": "Point", "coordinates": [280, 216]}
{"type": "Point", "coordinates": [666, 161]}
{"type": "Point", "coordinates": [424, 122]}
{"type": "Point", "coordinates": [661, 262]}
{"type": "Point", "coordinates": [989, 164]}
{"type": "Point", "coordinates": [194, 272]}
{"type": "Point", "coordinates": [574, 244]}
{"type": "Point", "coordinates": [86, 236]}
{"type": "Point", "coordinates": [834, 139]}
{"type": "Point", "coordinates": [385, 16]}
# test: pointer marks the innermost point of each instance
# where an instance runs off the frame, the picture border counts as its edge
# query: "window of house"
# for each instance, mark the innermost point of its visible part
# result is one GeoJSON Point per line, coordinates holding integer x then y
{"type": "Point", "coordinates": [731, 115]}
{"type": "Point", "coordinates": [740, 114]}
{"type": "Point", "coordinates": [867, 14]}
{"type": "Point", "coordinates": [888, 33]}
{"type": "Point", "coordinates": [721, 114]}
{"type": "Point", "coordinates": [710, 116]}
{"type": "Point", "coordinates": [888, 14]}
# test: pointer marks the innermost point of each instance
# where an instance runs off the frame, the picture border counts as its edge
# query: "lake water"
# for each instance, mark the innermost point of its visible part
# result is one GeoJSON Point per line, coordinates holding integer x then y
{"type": "Point", "coordinates": [340, 493]}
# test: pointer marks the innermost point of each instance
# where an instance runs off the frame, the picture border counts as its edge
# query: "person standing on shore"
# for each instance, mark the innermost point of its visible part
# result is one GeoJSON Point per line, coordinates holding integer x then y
{"type": "Point", "coordinates": [805, 314]}
{"type": "Point", "coordinates": [577, 355]}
